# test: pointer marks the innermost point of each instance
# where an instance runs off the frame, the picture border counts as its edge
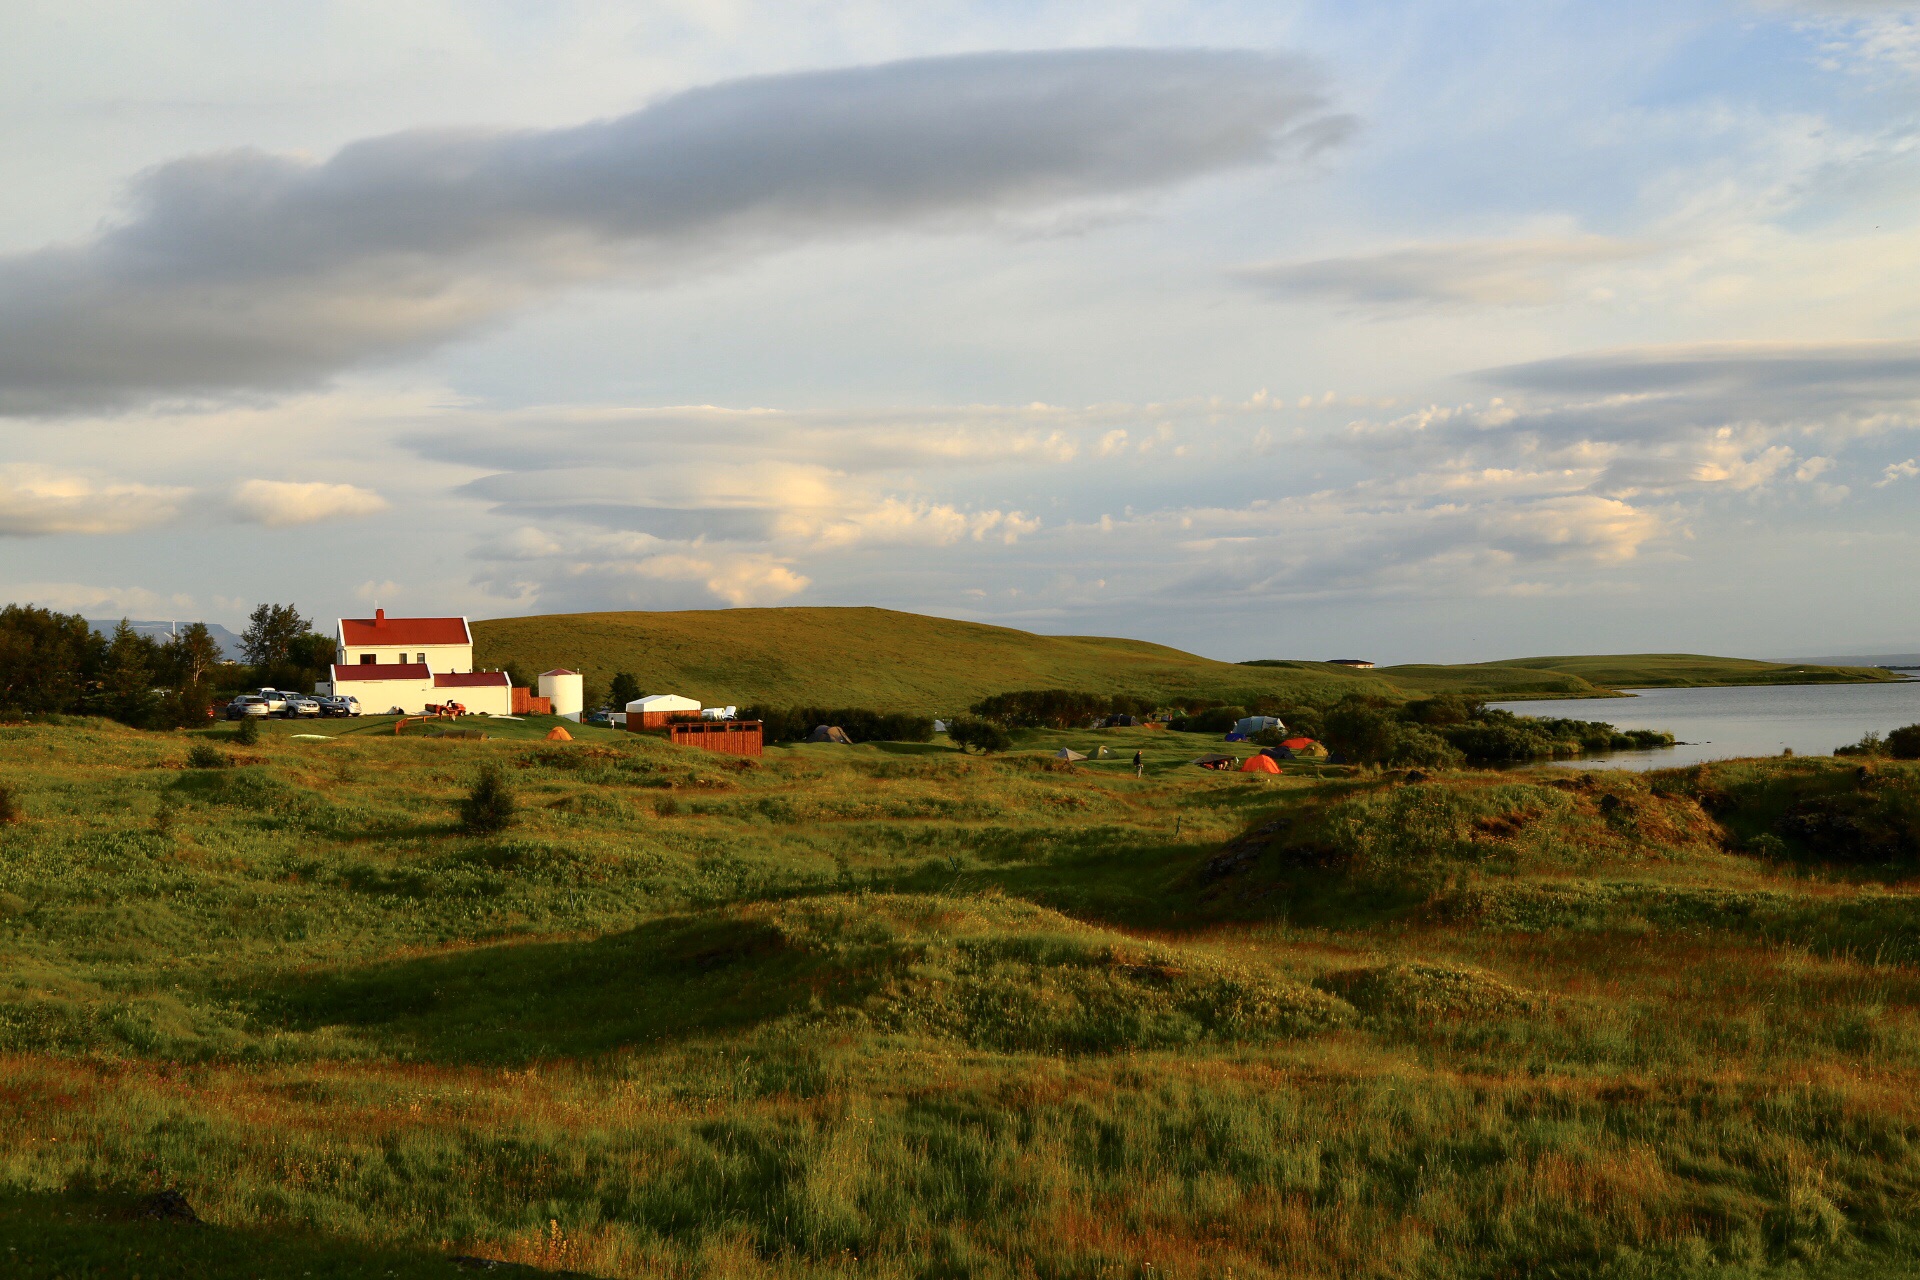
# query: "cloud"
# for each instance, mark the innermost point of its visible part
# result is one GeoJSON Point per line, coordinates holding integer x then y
{"type": "Point", "coordinates": [1496, 273]}
{"type": "Point", "coordinates": [35, 502]}
{"type": "Point", "coordinates": [279, 503]}
{"type": "Point", "coordinates": [245, 270]}
{"type": "Point", "coordinates": [1897, 471]}
{"type": "Point", "coordinates": [92, 601]}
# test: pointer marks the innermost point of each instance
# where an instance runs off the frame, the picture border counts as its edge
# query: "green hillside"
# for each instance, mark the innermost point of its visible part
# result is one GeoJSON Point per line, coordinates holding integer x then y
{"type": "Point", "coordinates": [1689, 670]}
{"type": "Point", "coordinates": [874, 657]}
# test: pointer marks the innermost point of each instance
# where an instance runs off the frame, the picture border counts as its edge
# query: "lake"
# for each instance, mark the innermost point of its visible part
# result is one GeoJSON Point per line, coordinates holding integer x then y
{"type": "Point", "coordinates": [1752, 720]}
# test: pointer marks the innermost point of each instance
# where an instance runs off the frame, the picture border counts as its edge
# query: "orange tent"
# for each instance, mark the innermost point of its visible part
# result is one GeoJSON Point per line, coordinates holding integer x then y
{"type": "Point", "coordinates": [557, 734]}
{"type": "Point", "coordinates": [1259, 764]}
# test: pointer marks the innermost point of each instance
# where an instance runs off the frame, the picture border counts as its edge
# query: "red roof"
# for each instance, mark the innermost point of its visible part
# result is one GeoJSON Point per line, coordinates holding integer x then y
{"type": "Point", "coordinates": [559, 671]}
{"type": "Point", "coordinates": [380, 629]}
{"type": "Point", "coordinates": [472, 680]}
{"type": "Point", "coordinates": [350, 672]}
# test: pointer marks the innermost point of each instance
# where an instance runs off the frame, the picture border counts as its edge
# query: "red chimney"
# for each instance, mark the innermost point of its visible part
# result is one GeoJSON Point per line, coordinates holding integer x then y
{"type": "Point", "coordinates": [379, 617]}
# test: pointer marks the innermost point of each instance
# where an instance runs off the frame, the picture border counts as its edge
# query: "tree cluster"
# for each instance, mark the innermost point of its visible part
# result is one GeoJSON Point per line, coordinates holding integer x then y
{"type": "Point", "coordinates": [793, 724]}
{"type": "Point", "coordinates": [1447, 731]}
{"type": "Point", "coordinates": [56, 663]}
{"type": "Point", "coordinates": [1057, 708]}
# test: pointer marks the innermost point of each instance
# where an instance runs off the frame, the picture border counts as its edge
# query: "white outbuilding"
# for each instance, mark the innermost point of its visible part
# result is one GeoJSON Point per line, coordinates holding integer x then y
{"type": "Point", "coordinates": [656, 709]}
{"type": "Point", "coordinates": [563, 689]}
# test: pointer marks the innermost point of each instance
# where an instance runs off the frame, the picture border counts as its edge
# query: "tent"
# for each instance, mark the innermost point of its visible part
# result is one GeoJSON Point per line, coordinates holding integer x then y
{"type": "Point", "coordinates": [1122, 722]}
{"type": "Point", "coordinates": [557, 734]}
{"type": "Point", "coordinates": [1067, 753]}
{"type": "Point", "coordinates": [1303, 748]}
{"type": "Point", "coordinates": [1250, 725]}
{"type": "Point", "coordinates": [1216, 762]}
{"type": "Point", "coordinates": [829, 733]}
{"type": "Point", "coordinates": [1262, 763]}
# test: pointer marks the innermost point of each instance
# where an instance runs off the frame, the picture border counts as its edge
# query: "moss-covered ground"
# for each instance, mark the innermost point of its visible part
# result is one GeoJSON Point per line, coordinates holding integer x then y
{"type": "Point", "coordinates": [899, 1011]}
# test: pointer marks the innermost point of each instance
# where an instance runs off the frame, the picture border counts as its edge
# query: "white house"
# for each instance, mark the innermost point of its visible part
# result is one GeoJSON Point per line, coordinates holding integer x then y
{"type": "Point", "coordinates": [445, 644]}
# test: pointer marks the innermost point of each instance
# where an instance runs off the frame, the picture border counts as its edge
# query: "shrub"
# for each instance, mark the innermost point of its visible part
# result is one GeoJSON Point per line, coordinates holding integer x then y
{"type": "Point", "coordinates": [206, 756]}
{"type": "Point", "coordinates": [247, 732]}
{"type": "Point", "coordinates": [1057, 708]}
{"type": "Point", "coordinates": [1872, 744]}
{"type": "Point", "coordinates": [9, 807]}
{"type": "Point", "coordinates": [488, 808]}
{"type": "Point", "coordinates": [793, 724]}
{"type": "Point", "coordinates": [1904, 743]}
{"type": "Point", "coordinates": [982, 735]}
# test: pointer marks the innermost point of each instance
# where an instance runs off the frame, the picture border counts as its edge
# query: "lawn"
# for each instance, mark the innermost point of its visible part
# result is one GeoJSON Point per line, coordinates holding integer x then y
{"type": "Point", "coordinates": [894, 1010]}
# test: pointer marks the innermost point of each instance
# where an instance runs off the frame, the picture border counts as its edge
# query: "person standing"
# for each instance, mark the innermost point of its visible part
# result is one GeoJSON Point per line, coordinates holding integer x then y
{"type": "Point", "coordinates": [1139, 765]}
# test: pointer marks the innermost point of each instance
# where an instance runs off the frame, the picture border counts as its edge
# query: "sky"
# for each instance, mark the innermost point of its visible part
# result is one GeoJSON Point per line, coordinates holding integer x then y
{"type": "Point", "coordinates": [1402, 331]}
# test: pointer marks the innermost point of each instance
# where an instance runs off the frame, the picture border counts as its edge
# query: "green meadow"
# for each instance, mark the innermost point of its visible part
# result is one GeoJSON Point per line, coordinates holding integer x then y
{"type": "Point", "coordinates": [893, 1010]}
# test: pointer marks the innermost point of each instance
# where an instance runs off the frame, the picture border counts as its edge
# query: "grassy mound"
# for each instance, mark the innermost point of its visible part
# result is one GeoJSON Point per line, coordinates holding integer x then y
{"type": "Point", "coordinates": [1004, 974]}
{"type": "Point", "coordinates": [1693, 670]}
{"type": "Point", "coordinates": [1419, 990]}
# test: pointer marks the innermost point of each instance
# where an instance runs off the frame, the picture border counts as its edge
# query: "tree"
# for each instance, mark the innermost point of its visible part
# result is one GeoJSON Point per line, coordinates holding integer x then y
{"type": "Point", "coordinates": [272, 631]}
{"type": "Point", "coordinates": [488, 808]}
{"type": "Point", "coordinates": [126, 679]}
{"type": "Point", "coordinates": [191, 656]}
{"type": "Point", "coordinates": [625, 689]}
{"type": "Point", "coordinates": [1904, 743]}
{"type": "Point", "coordinates": [48, 661]}
{"type": "Point", "coordinates": [982, 735]}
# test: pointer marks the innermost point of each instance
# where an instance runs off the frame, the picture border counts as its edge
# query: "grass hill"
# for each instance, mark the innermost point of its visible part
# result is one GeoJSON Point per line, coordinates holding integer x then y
{"type": "Point", "coordinates": [1690, 670]}
{"type": "Point", "coordinates": [896, 1011]}
{"type": "Point", "coordinates": [910, 662]}
{"type": "Point", "coordinates": [874, 658]}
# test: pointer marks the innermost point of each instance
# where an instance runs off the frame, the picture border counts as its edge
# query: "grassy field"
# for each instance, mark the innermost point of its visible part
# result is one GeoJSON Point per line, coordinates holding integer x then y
{"type": "Point", "coordinates": [896, 1011]}
{"type": "Point", "coordinates": [908, 662]}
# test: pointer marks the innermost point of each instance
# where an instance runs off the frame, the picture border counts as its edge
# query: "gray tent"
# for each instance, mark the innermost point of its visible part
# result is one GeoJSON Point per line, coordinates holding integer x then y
{"type": "Point", "coordinates": [1067, 753]}
{"type": "Point", "coordinates": [829, 733]}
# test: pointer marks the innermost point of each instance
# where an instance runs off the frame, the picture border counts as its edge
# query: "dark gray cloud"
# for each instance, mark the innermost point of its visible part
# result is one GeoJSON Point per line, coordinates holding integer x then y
{"type": "Point", "coordinates": [1823, 372]}
{"type": "Point", "coordinates": [245, 270]}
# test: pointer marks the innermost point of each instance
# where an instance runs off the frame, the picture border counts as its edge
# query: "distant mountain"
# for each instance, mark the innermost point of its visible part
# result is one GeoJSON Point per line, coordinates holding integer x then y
{"type": "Point", "coordinates": [229, 642]}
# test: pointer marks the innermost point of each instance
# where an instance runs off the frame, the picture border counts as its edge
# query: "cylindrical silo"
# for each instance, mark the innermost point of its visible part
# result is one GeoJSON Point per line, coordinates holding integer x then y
{"type": "Point", "coordinates": [563, 687]}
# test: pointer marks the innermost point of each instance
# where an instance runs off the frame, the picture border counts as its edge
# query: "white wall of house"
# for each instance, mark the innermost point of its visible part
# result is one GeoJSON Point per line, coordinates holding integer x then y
{"type": "Point", "coordinates": [452, 658]}
{"type": "Point", "coordinates": [378, 696]}
{"type": "Point", "coordinates": [479, 700]}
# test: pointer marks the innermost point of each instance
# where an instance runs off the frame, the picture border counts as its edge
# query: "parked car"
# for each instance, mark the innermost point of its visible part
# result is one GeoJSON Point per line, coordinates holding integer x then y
{"type": "Point", "coordinates": [339, 705]}
{"type": "Point", "coordinates": [248, 705]}
{"type": "Point", "coordinates": [276, 701]}
{"type": "Point", "coordinates": [300, 706]}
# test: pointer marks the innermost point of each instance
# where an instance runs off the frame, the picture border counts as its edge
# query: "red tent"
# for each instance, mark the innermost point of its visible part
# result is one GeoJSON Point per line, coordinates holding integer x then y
{"type": "Point", "coordinates": [1259, 764]}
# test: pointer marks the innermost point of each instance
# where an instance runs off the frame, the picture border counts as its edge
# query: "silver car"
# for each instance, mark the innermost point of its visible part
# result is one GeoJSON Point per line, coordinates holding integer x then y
{"type": "Point", "coordinates": [299, 706]}
{"type": "Point", "coordinates": [248, 706]}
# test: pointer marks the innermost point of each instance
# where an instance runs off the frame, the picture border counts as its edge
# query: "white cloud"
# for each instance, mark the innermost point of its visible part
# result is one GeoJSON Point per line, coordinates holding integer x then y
{"type": "Point", "coordinates": [1898, 471]}
{"type": "Point", "coordinates": [279, 503]}
{"type": "Point", "coordinates": [35, 501]}
{"type": "Point", "coordinates": [93, 601]}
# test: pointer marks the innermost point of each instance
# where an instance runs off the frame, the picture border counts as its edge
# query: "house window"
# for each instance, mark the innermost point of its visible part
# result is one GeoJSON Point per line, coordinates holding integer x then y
{"type": "Point", "coordinates": [421, 659]}
{"type": "Point", "coordinates": [368, 659]}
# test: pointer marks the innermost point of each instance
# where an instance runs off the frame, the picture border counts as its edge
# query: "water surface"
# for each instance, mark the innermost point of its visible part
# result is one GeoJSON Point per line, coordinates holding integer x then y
{"type": "Point", "coordinates": [1754, 720]}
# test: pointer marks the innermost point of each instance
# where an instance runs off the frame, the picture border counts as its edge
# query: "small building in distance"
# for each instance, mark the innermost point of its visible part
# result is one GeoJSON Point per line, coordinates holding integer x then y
{"type": "Point", "coordinates": [1358, 664]}
{"type": "Point", "coordinates": [563, 690]}
{"type": "Point", "coordinates": [658, 710]}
